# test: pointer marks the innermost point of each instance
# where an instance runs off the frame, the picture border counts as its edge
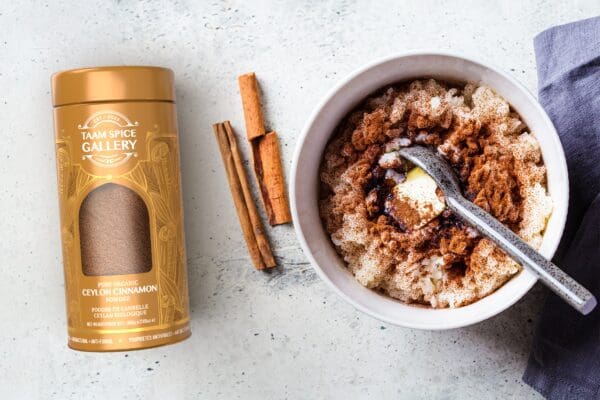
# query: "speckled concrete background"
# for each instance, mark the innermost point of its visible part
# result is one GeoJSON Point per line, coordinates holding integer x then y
{"type": "Point", "coordinates": [255, 335]}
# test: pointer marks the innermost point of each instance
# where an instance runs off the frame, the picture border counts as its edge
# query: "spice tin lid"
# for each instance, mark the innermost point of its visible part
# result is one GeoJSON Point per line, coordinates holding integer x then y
{"type": "Point", "coordinates": [90, 85]}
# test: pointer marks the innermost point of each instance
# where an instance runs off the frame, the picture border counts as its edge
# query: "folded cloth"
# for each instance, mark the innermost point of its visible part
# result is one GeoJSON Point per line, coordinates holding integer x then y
{"type": "Point", "coordinates": [565, 359]}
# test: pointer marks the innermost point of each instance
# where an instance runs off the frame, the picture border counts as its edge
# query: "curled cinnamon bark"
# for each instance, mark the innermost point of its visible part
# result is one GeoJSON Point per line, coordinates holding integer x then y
{"type": "Point", "coordinates": [266, 158]}
{"type": "Point", "coordinates": [252, 227]}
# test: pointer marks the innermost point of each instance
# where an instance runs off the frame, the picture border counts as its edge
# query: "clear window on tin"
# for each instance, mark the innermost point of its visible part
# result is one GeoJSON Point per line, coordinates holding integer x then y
{"type": "Point", "coordinates": [114, 230]}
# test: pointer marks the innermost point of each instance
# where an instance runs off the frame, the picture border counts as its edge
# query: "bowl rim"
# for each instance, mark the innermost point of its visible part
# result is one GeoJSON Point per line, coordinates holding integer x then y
{"type": "Point", "coordinates": [561, 209]}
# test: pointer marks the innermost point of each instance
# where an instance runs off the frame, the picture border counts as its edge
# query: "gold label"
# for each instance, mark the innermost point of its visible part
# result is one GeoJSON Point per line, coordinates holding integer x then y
{"type": "Point", "coordinates": [133, 145]}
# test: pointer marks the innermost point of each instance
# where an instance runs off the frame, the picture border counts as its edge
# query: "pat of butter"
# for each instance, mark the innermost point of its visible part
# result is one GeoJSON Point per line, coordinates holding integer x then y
{"type": "Point", "coordinates": [415, 201]}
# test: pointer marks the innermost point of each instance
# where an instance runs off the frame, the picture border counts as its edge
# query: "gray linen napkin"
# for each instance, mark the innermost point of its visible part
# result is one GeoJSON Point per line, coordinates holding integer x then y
{"type": "Point", "coordinates": [565, 359]}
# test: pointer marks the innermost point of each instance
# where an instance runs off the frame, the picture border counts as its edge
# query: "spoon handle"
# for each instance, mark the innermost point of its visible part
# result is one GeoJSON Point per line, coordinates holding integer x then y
{"type": "Point", "coordinates": [552, 276]}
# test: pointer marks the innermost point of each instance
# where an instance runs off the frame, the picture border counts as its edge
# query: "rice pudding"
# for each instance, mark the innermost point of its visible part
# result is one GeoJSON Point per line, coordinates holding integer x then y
{"type": "Point", "coordinates": [433, 259]}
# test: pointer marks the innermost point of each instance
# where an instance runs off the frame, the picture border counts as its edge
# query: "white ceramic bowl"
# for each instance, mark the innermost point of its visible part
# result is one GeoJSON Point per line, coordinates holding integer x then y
{"type": "Point", "coordinates": [304, 183]}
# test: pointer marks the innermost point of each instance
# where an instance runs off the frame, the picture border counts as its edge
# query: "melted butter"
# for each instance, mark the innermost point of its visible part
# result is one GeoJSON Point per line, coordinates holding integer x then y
{"type": "Point", "coordinates": [415, 201]}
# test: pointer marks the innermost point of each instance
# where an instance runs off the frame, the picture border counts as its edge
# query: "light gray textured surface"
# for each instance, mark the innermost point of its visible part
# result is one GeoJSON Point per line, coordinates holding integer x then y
{"type": "Point", "coordinates": [255, 335]}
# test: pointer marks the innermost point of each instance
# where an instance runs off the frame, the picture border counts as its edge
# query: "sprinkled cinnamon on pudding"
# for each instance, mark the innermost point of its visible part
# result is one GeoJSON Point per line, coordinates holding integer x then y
{"type": "Point", "coordinates": [398, 238]}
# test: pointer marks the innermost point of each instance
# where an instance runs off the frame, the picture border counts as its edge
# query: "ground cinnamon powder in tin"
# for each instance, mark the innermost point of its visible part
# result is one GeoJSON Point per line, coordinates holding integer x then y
{"type": "Point", "coordinates": [114, 232]}
{"type": "Point", "coordinates": [121, 216]}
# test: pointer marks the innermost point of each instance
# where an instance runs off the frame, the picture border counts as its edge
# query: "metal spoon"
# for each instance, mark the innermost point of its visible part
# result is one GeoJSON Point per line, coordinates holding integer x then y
{"type": "Point", "coordinates": [552, 276]}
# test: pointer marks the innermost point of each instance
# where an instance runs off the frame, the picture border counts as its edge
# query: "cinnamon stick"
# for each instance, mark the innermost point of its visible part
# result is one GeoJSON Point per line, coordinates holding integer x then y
{"type": "Point", "coordinates": [270, 178]}
{"type": "Point", "coordinates": [266, 158]}
{"type": "Point", "coordinates": [257, 226]}
{"type": "Point", "coordinates": [252, 228]}
{"type": "Point", "coordinates": [255, 124]}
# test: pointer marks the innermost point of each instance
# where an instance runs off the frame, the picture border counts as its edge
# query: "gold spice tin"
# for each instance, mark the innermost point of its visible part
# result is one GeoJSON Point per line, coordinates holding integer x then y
{"type": "Point", "coordinates": [120, 207]}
